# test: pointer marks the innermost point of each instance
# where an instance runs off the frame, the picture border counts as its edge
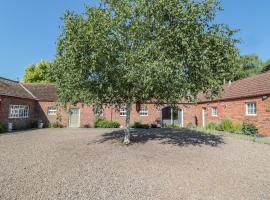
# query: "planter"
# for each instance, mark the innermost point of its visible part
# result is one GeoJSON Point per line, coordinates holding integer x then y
{"type": "Point", "coordinates": [40, 125]}
{"type": "Point", "coordinates": [10, 127]}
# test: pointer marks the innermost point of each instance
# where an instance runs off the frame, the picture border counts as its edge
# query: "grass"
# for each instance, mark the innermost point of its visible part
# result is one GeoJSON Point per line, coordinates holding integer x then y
{"type": "Point", "coordinates": [257, 138]}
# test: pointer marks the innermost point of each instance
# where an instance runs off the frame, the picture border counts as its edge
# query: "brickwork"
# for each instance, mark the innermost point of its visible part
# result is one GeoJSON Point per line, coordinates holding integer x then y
{"type": "Point", "coordinates": [111, 113]}
{"type": "Point", "coordinates": [236, 110]}
{"type": "Point", "coordinates": [5, 103]}
{"type": "Point", "coordinates": [233, 109]}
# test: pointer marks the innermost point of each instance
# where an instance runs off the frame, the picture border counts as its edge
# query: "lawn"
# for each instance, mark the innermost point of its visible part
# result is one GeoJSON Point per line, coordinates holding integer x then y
{"type": "Point", "coordinates": [160, 164]}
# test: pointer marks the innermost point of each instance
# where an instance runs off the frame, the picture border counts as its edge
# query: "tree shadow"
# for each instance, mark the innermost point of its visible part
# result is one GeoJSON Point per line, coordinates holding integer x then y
{"type": "Point", "coordinates": [177, 137]}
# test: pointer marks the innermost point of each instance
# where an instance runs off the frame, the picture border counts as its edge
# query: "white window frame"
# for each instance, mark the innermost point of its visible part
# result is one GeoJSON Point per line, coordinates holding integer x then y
{"type": "Point", "coordinates": [18, 111]}
{"type": "Point", "coordinates": [51, 110]}
{"type": "Point", "coordinates": [214, 111]}
{"type": "Point", "coordinates": [143, 111]}
{"type": "Point", "coordinates": [251, 111]}
{"type": "Point", "coordinates": [123, 112]}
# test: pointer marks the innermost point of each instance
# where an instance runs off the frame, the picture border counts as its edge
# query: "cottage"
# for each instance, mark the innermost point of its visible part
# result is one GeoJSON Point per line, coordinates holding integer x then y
{"type": "Point", "coordinates": [17, 104]}
{"type": "Point", "coordinates": [246, 100]}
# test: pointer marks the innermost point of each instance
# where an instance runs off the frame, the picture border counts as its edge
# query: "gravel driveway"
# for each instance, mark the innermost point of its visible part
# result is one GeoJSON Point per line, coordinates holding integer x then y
{"type": "Point", "coordinates": [161, 164]}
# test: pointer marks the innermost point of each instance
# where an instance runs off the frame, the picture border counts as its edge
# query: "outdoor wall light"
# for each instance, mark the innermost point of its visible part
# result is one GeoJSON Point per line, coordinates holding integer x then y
{"type": "Point", "coordinates": [264, 98]}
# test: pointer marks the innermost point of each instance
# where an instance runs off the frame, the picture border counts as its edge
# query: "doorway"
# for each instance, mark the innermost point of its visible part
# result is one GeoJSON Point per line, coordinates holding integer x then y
{"type": "Point", "coordinates": [172, 116]}
{"type": "Point", "coordinates": [74, 118]}
{"type": "Point", "coordinates": [204, 117]}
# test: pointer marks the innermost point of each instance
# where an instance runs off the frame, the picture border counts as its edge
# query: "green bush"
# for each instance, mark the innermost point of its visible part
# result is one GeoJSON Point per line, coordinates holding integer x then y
{"type": "Point", "coordinates": [226, 125]}
{"type": "Point", "coordinates": [237, 127]}
{"type": "Point", "coordinates": [103, 123]}
{"type": "Point", "coordinates": [3, 128]}
{"type": "Point", "coordinates": [139, 125]}
{"type": "Point", "coordinates": [249, 129]}
{"type": "Point", "coordinates": [56, 125]}
{"type": "Point", "coordinates": [33, 124]}
{"type": "Point", "coordinates": [212, 126]}
{"type": "Point", "coordinates": [87, 126]}
{"type": "Point", "coordinates": [173, 126]}
{"type": "Point", "coordinates": [154, 126]}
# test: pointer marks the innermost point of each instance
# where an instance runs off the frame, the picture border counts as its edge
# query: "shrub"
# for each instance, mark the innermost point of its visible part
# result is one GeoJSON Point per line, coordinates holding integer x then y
{"type": "Point", "coordinates": [249, 129]}
{"type": "Point", "coordinates": [173, 126]}
{"type": "Point", "coordinates": [3, 128]}
{"type": "Point", "coordinates": [103, 123]}
{"type": "Point", "coordinates": [190, 126]}
{"type": "Point", "coordinates": [237, 127]}
{"type": "Point", "coordinates": [154, 126]}
{"type": "Point", "coordinates": [56, 125]}
{"type": "Point", "coordinates": [33, 124]}
{"type": "Point", "coordinates": [139, 125]}
{"type": "Point", "coordinates": [87, 126]}
{"type": "Point", "coordinates": [212, 126]}
{"type": "Point", "coordinates": [226, 125]}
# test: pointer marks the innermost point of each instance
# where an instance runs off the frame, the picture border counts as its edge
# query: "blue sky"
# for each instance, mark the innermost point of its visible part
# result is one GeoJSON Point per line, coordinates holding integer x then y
{"type": "Point", "coordinates": [29, 29]}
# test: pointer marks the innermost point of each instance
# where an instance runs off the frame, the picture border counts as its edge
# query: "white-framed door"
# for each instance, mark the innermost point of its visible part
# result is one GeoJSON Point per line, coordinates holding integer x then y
{"type": "Point", "coordinates": [181, 117]}
{"type": "Point", "coordinates": [74, 118]}
{"type": "Point", "coordinates": [204, 116]}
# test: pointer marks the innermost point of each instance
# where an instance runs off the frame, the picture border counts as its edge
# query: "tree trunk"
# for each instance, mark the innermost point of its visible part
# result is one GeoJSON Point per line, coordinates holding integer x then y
{"type": "Point", "coordinates": [127, 131]}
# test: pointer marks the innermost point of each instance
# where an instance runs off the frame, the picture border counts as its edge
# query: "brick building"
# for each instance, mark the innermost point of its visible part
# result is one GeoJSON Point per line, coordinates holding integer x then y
{"type": "Point", "coordinates": [246, 100]}
{"type": "Point", "coordinates": [17, 104]}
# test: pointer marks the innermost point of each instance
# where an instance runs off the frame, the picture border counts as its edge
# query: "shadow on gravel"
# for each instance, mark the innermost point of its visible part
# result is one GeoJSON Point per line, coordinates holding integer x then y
{"type": "Point", "coordinates": [182, 137]}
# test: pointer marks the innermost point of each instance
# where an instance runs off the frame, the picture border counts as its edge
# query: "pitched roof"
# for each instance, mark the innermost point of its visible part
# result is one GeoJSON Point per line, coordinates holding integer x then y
{"type": "Point", "coordinates": [14, 89]}
{"type": "Point", "coordinates": [249, 87]}
{"type": "Point", "coordinates": [42, 91]}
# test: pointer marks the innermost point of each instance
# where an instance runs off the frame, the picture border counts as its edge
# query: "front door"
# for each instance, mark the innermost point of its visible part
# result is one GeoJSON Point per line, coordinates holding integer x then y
{"type": "Point", "coordinates": [74, 118]}
{"type": "Point", "coordinates": [204, 117]}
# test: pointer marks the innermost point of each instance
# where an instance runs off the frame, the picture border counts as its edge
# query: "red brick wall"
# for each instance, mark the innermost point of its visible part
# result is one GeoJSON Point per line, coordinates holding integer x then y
{"type": "Point", "coordinates": [233, 109]}
{"type": "Point", "coordinates": [236, 110]}
{"type": "Point", "coordinates": [18, 123]}
{"type": "Point", "coordinates": [86, 113]}
{"type": "Point", "coordinates": [111, 113]}
{"type": "Point", "coordinates": [154, 114]}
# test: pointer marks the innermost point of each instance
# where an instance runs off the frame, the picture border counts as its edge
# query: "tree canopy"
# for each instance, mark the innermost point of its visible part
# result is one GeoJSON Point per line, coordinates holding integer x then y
{"type": "Point", "coordinates": [38, 73]}
{"type": "Point", "coordinates": [266, 66]}
{"type": "Point", "coordinates": [248, 65]}
{"type": "Point", "coordinates": [128, 51]}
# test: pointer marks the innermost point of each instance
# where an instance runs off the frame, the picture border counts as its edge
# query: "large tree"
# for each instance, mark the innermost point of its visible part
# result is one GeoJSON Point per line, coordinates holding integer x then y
{"type": "Point", "coordinates": [38, 73]}
{"type": "Point", "coordinates": [248, 65]}
{"type": "Point", "coordinates": [266, 66]}
{"type": "Point", "coordinates": [132, 51]}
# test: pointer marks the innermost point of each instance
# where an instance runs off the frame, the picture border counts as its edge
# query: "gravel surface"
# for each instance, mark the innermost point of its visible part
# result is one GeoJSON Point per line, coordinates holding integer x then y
{"type": "Point", "coordinates": [161, 164]}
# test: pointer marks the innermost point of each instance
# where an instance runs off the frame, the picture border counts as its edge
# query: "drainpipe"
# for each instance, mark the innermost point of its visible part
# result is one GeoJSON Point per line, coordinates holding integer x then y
{"type": "Point", "coordinates": [171, 116]}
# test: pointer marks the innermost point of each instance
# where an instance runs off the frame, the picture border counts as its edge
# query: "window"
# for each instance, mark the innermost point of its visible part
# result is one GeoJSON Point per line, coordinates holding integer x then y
{"type": "Point", "coordinates": [143, 111]}
{"type": "Point", "coordinates": [123, 112]}
{"type": "Point", "coordinates": [251, 108]}
{"type": "Point", "coordinates": [51, 111]}
{"type": "Point", "coordinates": [214, 111]}
{"type": "Point", "coordinates": [18, 111]}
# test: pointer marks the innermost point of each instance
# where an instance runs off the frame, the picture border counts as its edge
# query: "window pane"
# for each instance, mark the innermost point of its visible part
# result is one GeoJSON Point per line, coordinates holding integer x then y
{"type": "Point", "coordinates": [251, 109]}
{"type": "Point", "coordinates": [19, 111]}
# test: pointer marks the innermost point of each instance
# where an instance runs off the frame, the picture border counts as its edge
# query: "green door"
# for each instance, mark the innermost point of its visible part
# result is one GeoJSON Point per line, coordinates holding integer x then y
{"type": "Point", "coordinates": [74, 118]}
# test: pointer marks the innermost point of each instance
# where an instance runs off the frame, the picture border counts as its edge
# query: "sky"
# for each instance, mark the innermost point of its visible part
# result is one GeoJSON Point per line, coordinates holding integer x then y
{"type": "Point", "coordinates": [29, 29]}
